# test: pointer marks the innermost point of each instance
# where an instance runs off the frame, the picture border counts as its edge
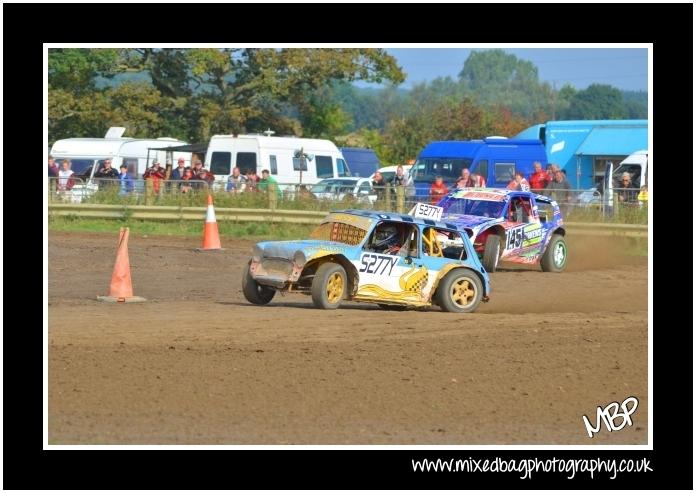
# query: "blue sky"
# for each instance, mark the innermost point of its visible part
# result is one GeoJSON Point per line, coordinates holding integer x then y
{"type": "Point", "coordinates": [625, 68]}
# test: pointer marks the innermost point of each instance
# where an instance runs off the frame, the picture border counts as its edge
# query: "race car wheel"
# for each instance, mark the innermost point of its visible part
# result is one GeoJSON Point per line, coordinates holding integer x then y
{"type": "Point", "coordinates": [459, 291]}
{"type": "Point", "coordinates": [329, 286]}
{"type": "Point", "coordinates": [556, 255]}
{"type": "Point", "coordinates": [254, 292]}
{"type": "Point", "coordinates": [491, 252]}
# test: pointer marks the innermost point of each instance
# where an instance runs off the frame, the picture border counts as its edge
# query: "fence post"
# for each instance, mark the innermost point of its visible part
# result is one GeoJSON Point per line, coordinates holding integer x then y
{"type": "Point", "coordinates": [272, 196]}
{"type": "Point", "coordinates": [400, 192]}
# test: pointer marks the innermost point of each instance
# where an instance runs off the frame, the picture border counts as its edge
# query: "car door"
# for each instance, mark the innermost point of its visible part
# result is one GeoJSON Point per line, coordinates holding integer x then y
{"type": "Point", "coordinates": [523, 230]}
{"type": "Point", "coordinates": [398, 278]}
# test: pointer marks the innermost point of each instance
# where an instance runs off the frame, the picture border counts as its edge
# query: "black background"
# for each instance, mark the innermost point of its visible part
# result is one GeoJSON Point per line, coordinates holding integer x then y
{"type": "Point", "coordinates": [27, 26]}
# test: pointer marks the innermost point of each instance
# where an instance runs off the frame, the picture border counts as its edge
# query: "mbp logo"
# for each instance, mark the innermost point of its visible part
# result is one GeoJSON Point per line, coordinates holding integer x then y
{"type": "Point", "coordinates": [609, 414]}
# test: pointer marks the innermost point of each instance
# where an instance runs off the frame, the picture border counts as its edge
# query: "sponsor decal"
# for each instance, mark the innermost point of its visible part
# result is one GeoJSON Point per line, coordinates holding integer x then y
{"type": "Point", "coordinates": [473, 195]}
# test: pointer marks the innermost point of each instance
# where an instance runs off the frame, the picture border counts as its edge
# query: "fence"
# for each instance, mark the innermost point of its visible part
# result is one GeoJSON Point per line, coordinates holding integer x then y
{"type": "Point", "coordinates": [577, 205]}
{"type": "Point", "coordinates": [172, 213]}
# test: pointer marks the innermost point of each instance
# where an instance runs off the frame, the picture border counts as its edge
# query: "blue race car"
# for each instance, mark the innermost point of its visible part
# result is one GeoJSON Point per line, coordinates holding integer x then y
{"type": "Point", "coordinates": [394, 260]}
{"type": "Point", "coordinates": [509, 225]}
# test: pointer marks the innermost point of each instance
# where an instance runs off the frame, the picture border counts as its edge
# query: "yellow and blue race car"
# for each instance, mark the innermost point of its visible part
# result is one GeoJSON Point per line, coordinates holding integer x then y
{"type": "Point", "coordinates": [394, 260]}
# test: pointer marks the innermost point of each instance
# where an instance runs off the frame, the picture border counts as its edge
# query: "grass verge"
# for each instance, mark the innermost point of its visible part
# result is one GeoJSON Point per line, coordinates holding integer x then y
{"type": "Point", "coordinates": [252, 231]}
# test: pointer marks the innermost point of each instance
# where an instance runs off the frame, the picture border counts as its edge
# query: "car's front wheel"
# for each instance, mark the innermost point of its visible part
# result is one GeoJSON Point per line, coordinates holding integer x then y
{"type": "Point", "coordinates": [329, 286]}
{"type": "Point", "coordinates": [459, 291]}
{"type": "Point", "coordinates": [555, 257]}
{"type": "Point", "coordinates": [253, 291]}
{"type": "Point", "coordinates": [491, 252]}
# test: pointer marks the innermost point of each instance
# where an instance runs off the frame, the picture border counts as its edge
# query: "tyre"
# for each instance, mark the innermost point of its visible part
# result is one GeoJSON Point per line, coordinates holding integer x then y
{"type": "Point", "coordinates": [394, 308]}
{"type": "Point", "coordinates": [253, 291]}
{"type": "Point", "coordinates": [555, 257]}
{"type": "Point", "coordinates": [459, 291]}
{"type": "Point", "coordinates": [329, 286]}
{"type": "Point", "coordinates": [491, 252]}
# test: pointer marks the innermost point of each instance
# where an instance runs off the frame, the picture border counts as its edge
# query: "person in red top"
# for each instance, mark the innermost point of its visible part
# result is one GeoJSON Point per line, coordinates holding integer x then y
{"type": "Point", "coordinates": [519, 183]}
{"type": "Point", "coordinates": [437, 190]}
{"type": "Point", "coordinates": [155, 174]}
{"type": "Point", "coordinates": [539, 179]}
{"type": "Point", "coordinates": [478, 180]}
{"type": "Point", "coordinates": [465, 180]}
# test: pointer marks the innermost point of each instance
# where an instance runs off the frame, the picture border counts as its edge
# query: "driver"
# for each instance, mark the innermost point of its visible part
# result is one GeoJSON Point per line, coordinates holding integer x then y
{"type": "Point", "coordinates": [387, 239]}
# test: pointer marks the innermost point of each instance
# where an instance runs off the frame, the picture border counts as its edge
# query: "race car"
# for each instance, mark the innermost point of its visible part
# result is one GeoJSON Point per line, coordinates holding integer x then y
{"type": "Point", "coordinates": [394, 260]}
{"type": "Point", "coordinates": [509, 225]}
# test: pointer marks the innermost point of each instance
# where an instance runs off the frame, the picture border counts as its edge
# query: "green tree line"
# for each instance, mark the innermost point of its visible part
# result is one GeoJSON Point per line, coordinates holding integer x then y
{"type": "Point", "coordinates": [192, 94]}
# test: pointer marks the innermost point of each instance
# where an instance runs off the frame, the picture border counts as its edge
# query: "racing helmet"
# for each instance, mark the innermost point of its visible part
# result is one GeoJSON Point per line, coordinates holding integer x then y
{"type": "Point", "coordinates": [387, 235]}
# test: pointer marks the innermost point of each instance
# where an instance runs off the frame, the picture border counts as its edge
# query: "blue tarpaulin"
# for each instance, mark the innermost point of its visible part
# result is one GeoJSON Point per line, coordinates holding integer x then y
{"type": "Point", "coordinates": [616, 141]}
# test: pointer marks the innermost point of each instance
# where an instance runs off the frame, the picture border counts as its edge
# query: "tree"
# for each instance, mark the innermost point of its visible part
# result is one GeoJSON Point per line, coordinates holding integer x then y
{"type": "Point", "coordinates": [75, 69]}
{"type": "Point", "coordinates": [495, 77]}
{"type": "Point", "coordinates": [598, 101]}
{"type": "Point", "coordinates": [240, 88]}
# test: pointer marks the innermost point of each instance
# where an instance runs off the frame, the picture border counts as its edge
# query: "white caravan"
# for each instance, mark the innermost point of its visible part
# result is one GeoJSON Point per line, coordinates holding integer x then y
{"type": "Point", "coordinates": [137, 154]}
{"type": "Point", "coordinates": [290, 160]}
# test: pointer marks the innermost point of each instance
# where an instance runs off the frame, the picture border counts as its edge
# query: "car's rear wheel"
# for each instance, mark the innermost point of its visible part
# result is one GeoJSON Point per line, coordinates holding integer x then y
{"type": "Point", "coordinates": [459, 291]}
{"type": "Point", "coordinates": [491, 252]}
{"type": "Point", "coordinates": [329, 286]}
{"type": "Point", "coordinates": [253, 291]}
{"type": "Point", "coordinates": [555, 257]}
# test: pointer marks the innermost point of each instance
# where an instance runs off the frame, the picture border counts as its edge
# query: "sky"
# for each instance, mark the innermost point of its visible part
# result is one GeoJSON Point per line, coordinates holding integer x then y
{"type": "Point", "coordinates": [624, 68]}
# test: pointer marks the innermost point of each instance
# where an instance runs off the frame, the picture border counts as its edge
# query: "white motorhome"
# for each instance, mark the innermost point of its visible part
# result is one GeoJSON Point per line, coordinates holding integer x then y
{"type": "Point", "coordinates": [290, 160]}
{"type": "Point", "coordinates": [87, 155]}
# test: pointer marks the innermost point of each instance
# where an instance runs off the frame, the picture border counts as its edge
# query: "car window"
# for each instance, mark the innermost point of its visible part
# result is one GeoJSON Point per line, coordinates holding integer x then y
{"type": "Point", "coordinates": [438, 242]}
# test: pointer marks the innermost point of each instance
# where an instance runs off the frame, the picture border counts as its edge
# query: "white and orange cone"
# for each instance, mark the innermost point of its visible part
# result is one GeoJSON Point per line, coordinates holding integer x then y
{"type": "Point", "coordinates": [121, 287]}
{"type": "Point", "coordinates": [211, 236]}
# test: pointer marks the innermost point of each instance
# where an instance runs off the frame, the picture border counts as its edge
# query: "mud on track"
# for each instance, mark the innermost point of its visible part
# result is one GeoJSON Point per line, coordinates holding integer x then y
{"type": "Point", "coordinates": [198, 364]}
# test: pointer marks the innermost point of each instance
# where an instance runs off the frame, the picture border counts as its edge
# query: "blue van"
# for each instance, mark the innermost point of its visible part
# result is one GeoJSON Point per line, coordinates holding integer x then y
{"type": "Point", "coordinates": [362, 162]}
{"type": "Point", "coordinates": [496, 159]}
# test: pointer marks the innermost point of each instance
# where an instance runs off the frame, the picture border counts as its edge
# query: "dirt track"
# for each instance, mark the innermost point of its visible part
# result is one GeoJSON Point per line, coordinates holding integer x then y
{"type": "Point", "coordinates": [198, 364]}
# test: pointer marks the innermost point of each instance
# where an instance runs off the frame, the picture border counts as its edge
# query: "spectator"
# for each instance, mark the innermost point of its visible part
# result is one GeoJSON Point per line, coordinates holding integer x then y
{"type": "Point", "coordinates": [625, 191]}
{"type": "Point", "coordinates": [178, 172]}
{"type": "Point", "coordinates": [155, 175]}
{"type": "Point", "coordinates": [251, 181]}
{"type": "Point", "coordinates": [437, 190]}
{"type": "Point", "coordinates": [269, 184]}
{"type": "Point", "coordinates": [478, 180]}
{"type": "Point", "coordinates": [464, 181]}
{"type": "Point", "coordinates": [559, 188]}
{"type": "Point", "coordinates": [550, 173]}
{"type": "Point", "coordinates": [400, 179]}
{"type": "Point", "coordinates": [52, 167]}
{"type": "Point", "coordinates": [519, 183]}
{"type": "Point", "coordinates": [236, 182]}
{"type": "Point", "coordinates": [643, 196]}
{"type": "Point", "coordinates": [379, 186]}
{"type": "Point", "coordinates": [206, 176]}
{"type": "Point", "coordinates": [125, 180]}
{"type": "Point", "coordinates": [539, 179]}
{"type": "Point", "coordinates": [106, 176]}
{"type": "Point", "coordinates": [65, 179]}
{"type": "Point", "coordinates": [185, 185]}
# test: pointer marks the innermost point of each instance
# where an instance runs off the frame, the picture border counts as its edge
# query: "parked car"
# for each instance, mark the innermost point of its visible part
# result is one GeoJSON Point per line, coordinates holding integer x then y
{"type": "Point", "coordinates": [339, 189]}
{"type": "Point", "coordinates": [393, 260]}
{"type": "Point", "coordinates": [508, 225]}
{"type": "Point", "coordinates": [388, 172]}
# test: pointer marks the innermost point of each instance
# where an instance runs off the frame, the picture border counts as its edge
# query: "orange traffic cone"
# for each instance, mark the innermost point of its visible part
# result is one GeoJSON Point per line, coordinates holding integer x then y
{"type": "Point", "coordinates": [211, 237]}
{"type": "Point", "coordinates": [121, 289]}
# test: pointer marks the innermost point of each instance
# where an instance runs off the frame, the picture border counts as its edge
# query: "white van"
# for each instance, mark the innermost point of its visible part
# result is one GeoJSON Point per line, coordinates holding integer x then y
{"type": "Point", "coordinates": [282, 156]}
{"type": "Point", "coordinates": [636, 165]}
{"type": "Point", "coordinates": [87, 155]}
